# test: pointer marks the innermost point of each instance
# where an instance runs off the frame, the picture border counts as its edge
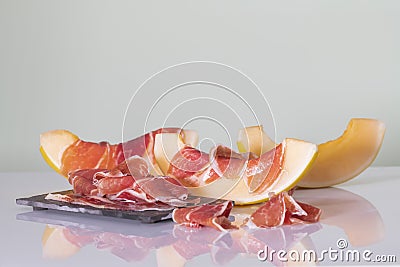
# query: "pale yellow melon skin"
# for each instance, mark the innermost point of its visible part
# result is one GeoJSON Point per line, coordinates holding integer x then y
{"type": "Point", "coordinates": [53, 144]}
{"type": "Point", "coordinates": [346, 157]}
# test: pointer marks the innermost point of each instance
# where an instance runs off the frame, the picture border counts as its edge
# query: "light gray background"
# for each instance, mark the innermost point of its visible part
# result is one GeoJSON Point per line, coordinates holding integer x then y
{"type": "Point", "coordinates": [75, 64]}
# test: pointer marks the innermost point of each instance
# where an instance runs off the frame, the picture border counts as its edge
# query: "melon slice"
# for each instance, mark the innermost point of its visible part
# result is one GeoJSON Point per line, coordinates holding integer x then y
{"type": "Point", "coordinates": [190, 137]}
{"type": "Point", "coordinates": [298, 157]}
{"type": "Point", "coordinates": [57, 143]}
{"type": "Point", "coordinates": [346, 157]}
{"type": "Point", "coordinates": [53, 144]}
{"type": "Point", "coordinates": [254, 139]}
{"type": "Point", "coordinates": [166, 145]}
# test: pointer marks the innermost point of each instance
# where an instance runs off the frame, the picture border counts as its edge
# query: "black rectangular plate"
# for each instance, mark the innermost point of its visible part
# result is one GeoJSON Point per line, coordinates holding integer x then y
{"type": "Point", "coordinates": [39, 202]}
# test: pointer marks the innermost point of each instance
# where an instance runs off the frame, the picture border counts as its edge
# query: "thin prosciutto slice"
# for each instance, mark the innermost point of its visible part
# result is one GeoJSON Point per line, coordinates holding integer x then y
{"type": "Point", "coordinates": [212, 215]}
{"type": "Point", "coordinates": [105, 203]}
{"type": "Point", "coordinates": [282, 209]}
{"type": "Point", "coordinates": [82, 181]}
{"type": "Point", "coordinates": [262, 172]}
{"type": "Point", "coordinates": [194, 168]}
{"type": "Point", "coordinates": [130, 181]}
{"type": "Point", "coordinates": [89, 155]}
{"type": "Point", "coordinates": [186, 163]}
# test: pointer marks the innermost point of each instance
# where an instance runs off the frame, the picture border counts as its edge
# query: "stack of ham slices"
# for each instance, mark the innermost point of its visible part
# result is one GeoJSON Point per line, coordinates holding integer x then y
{"type": "Point", "coordinates": [132, 184]}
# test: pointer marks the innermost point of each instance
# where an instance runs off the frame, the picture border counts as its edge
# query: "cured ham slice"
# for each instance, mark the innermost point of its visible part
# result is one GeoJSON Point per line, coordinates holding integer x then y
{"type": "Point", "coordinates": [101, 182]}
{"type": "Point", "coordinates": [105, 203]}
{"type": "Point", "coordinates": [312, 213]}
{"type": "Point", "coordinates": [283, 209]}
{"type": "Point", "coordinates": [226, 162]}
{"type": "Point", "coordinates": [130, 182]}
{"type": "Point", "coordinates": [212, 215]}
{"type": "Point", "coordinates": [164, 189]}
{"type": "Point", "coordinates": [111, 182]}
{"type": "Point", "coordinates": [97, 156]}
{"type": "Point", "coordinates": [194, 168]}
{"type": "Point", "coordinates": [82, 181]}
{"type": "Point", "coordinates": [261, 172]}
{"type": "Point", "coordinates": [271, 214]}
{"type": "Point", "coordinates": [135, 166]}
{"type": "Point", "coordinates": [89, 155]}
{"type": "Point", "coordinates": [186, 163]}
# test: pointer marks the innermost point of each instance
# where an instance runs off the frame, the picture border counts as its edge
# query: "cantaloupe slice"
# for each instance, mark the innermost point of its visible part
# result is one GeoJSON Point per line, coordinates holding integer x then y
{"type": "Point", "coordinates": [298, 157]}
{"type": "Point", "coordinates": [254, 139]}
{"type": "Point", "coordinates": [166, 145]}
{"type": "Point", "coordinates": [346, 157]}
{"type": "Point", "coordinates": [53, 144]}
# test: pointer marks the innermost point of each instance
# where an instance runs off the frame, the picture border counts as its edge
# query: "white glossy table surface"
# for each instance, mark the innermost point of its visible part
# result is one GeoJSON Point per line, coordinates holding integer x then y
{"type": "Point", "coordinates": [365, 212]}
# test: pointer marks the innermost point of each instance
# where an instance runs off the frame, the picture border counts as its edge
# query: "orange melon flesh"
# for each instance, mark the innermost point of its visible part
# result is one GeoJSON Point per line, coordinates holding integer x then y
{"type": "Point", "coordinates": [346, 157]}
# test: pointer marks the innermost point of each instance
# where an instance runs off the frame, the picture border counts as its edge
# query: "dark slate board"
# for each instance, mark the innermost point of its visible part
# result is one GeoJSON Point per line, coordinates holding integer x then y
{"type": "Point", "coordinates": [40, 203]}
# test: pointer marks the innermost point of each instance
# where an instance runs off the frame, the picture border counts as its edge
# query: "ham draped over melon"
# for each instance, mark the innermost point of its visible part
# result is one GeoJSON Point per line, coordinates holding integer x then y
{"type": "Point", "coordinates": [85, 155]}
{"type": "Point", "coordinates": [126, 176]}
{"type": "Point", "coordinates": [195, 168]}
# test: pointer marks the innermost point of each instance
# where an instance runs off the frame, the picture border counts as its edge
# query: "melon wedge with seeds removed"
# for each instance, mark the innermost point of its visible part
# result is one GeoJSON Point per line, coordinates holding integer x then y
{"type": "Point", "coordinates": [254, 139]}
{"type": "Point", "coordinates": [346, 157]}
{"type": "Point", "coordinates": [65, 152]}
{"type": "Point", "coordinates": [297, 158]}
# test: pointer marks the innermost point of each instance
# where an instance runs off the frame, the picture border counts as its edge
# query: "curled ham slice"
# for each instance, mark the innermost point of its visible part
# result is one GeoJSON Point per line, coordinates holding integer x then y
{"type": "Point", "coordinates": [82, 181]}
{"type": "Point", "coordinates": [226, 162]}
{"type": "Point", "coordinates": [194, 168]}
{"type": "Point", "coordinates": [262, 172]}
{"type": "Point", "coordinates": [283, 209]}
{"type": "Point", "coordinates": [212, 215]}
{"type": "Point", "coordinates": [186, 163]}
